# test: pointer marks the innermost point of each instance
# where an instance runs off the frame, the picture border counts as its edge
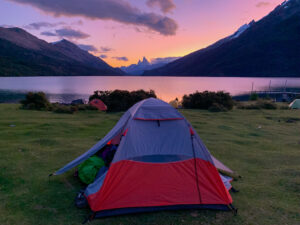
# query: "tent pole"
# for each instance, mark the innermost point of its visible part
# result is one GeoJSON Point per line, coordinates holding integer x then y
{"type": "Point", "coordinates": [195, 167]}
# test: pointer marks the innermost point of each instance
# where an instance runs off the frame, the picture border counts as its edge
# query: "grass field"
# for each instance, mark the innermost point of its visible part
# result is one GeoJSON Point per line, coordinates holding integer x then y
{"type": "Point", "coordinates": [262, 146]}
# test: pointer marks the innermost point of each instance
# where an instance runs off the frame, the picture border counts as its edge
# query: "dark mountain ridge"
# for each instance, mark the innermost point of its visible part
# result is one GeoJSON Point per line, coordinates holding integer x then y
{"type": "Point", "coordinates": [22, 54]}
{"type": "Point", "coordinates": [267, 48]}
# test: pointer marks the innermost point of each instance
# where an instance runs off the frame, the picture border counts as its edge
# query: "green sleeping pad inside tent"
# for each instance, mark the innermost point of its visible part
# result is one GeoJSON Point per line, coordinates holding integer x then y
{"type": "Point", "coordinates": [88, 170]}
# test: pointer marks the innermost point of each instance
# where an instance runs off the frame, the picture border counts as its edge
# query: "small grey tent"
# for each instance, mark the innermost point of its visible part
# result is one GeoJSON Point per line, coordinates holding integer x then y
{"type": "Point", "coordinates": [295, 104]}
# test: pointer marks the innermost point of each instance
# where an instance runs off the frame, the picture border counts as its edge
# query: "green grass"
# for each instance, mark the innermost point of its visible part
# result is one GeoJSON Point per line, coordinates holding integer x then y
{"type": "Point", "coordinates": [260, 145]}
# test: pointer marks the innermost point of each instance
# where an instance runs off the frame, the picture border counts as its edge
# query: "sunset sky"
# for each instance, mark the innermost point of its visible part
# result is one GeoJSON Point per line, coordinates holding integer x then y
{"type": "Point", "coordinates": [123, 31]}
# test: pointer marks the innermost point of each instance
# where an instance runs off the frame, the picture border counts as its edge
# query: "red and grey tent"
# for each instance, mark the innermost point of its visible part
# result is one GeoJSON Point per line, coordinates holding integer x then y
{"type": "Point", "coordinates": [161, 163]}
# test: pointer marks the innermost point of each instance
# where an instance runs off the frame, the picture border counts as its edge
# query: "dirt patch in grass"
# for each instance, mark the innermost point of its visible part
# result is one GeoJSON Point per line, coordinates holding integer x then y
{"type": "Point", "coordinates": [292, 120]}
{"type": "Point", "coordinates": [46, 142]}
{"type": "Point", "coordinates": [40, 207]}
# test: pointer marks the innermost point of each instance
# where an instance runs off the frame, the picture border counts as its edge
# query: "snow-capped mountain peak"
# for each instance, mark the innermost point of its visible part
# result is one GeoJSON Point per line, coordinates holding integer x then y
{"type": "Point", "coordinates": [242, 29]}
{"type": "Point", "coordinates": [145, 62]}
{"type": "Point", "coordinates": [285, 3]}
{"type": "Point", "coordinates": [142, 65]}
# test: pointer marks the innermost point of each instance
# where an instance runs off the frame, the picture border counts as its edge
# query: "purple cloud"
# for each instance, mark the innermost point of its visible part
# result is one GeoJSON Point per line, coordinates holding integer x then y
{"type": "Point", "coordinates": [116, 10]}
{"type": "Point", "coordinates": [78, 22]}
{"type": "Point", "coordinates": [262, 4]}
{"type": "Point", "coordinates": [103, 56]}
{"type": "Point", "coordinates": [38, 25]}
{"type": "Point", "coordinates": [122, 58]}
{"type": "Point", "coordinates": [70, 33]}
{"type": "Point", "coordinates": [164, 5]}
{"type": "Point", "coordinates": [89, 48]}
{"type": "Point", "coordinates": [49, 34]}
{"type": "Point", "coordinates": [163, 60]}
{"type": "Point", "coordinates": [66, 32]}
{"type": "Point", "coordinates": [105, 49]}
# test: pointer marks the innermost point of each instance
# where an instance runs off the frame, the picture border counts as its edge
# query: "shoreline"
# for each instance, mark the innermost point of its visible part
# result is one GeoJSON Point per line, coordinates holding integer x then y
{"type": "Point", "coordinates": [10, 96]}
{"type": "Point", "coordinates": [188, 76]}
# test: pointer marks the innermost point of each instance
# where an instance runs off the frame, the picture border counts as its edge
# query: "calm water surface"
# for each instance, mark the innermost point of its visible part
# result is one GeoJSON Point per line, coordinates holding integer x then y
{"type": "Point", "coordinates": [65, 89]}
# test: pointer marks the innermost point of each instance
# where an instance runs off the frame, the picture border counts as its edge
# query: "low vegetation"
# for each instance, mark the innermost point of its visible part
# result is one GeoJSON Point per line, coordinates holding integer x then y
{"type": "Point", "coordinates": [253, 97]}
{"type": "Point", "coordinates": [39, 101]}
{"type": "Point", "coordinates": [36, 101]}
{"type": "Point", "coordinates": [59, 108]}
{"type": "Point", "coordinates": [121, 100]}
{"type": "Point", "coordinates": [259, 104]}
{"type": "Point", "coordinates": [116, 101]}
{"type": "Point", "coordinates": [215, 101]}
{"type": "Point", "coordinates": [261, 145]}
{"type": "Point", "coordinates": [216, 107]}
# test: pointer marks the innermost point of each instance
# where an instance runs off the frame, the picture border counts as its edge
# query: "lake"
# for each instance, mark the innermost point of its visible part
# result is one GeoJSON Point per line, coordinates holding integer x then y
{"type": "Point", "coordinates": [66, 89]}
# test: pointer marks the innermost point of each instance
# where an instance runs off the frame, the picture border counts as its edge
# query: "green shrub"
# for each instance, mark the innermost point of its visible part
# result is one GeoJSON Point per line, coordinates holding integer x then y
{"type": "Point", "coordinates": [248, 106]}
{"type": "Point", "coordinates": [206, 99]}
{"type": "Point", "coordinates": [69, 109]}
{"type": "Point", "coordinates": [253, 97]}
{"type": "Point", "coordinates": [260, 104]}
{"type": "Point", "coordinates": [36, 101]}
{"type": "Point", "coordinates": [217, 108]}
{"type": "Point", "coordinates": [284, 107]}
{"type": "Point", "coordinates": [265, 104]}
{"type": "Point", "coordinates": [121, 100]}
{"type": "Point", "coordinates": [81, 107]}
{"type": "Point", "coordinates": [39, 101]}
{"type": "Point", "coordinates": [85, 107]}
{"type": "Point", "coordinates": [90, 107]}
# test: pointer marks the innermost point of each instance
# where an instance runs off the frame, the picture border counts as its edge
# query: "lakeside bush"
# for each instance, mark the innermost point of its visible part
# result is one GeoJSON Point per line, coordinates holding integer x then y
{"type": "Point", "coordinates": [296, 97]}
{"type": "Point", "coordinates": [70, 109]}
{"type": "Point", "coordinates": [217, 108]}
{"type": "Point", "coordinates": [260, 104]}
{"type": "Point", "coordinates": [61, 108]}
{"type": "Point", "coordinates": [267, 104]}
{"type": "Point", "coordinates": [253, 97]}
{"type": "Point", "coordinates": [121, 100]}
{"type": "Point", "coordinates": [219, 101]}
{"type": "Point", "coordinates": [284, 107]}
{"type": "Point", "coordinates": [36, 101]}
{"type": "Point", "coordinates": [84, 107]}
{"type": "Point", "coordinates": [39, 101]}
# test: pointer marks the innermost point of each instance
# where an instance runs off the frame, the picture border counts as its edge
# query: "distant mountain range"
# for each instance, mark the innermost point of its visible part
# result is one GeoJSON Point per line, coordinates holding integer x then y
{"type": "Point", "coordinates": [142, 66]}
{"type": "Point", "coordinates": [267, 48]}
{"type": "Point", "coordinates": [22, 54]}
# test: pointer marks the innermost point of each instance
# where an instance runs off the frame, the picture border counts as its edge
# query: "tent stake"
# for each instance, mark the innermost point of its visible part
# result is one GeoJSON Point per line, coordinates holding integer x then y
{"type": "Point", "coordinates": [233, 209]}
{"type": "Point", "coordinates": [50, 175]}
